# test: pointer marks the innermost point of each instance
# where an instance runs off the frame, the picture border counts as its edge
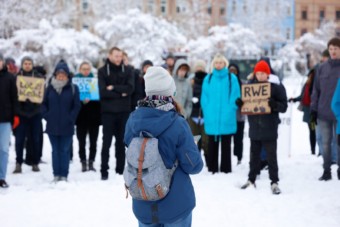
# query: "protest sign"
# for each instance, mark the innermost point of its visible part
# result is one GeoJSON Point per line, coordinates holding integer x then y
{"type": "Point", "coordinates": [30, 88]}
{"type": "Point", "coordinates": [255, 98]}
{"type": "Point", "coordinates": [88, 88]}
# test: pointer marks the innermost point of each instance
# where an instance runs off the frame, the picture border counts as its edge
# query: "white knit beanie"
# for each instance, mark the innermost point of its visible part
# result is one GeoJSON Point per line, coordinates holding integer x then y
{"type": "Point", "coordinates": [158, 81]}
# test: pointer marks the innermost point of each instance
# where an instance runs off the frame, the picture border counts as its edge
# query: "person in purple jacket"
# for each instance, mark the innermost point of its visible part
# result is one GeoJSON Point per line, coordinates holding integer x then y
{"type": "Point", "coordinates": [175, 142]}
{"type": "Point", "coordinates": [60, 109]}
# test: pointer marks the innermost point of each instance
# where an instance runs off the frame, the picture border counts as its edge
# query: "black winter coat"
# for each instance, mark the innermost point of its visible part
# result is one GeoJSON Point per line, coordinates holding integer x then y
{"type": "Point", "coordinates": [8, 96]}
{"type": "Point", "coordinates": [27, 108]}
{"type": "Point", "coordinates": [264, 127]}
{"type": "Point", "coordinates": [197, 91]}
{"type": "Point", "coordinates": [89, 113]}
{"type": "Point", "coordinates": [122, 78]}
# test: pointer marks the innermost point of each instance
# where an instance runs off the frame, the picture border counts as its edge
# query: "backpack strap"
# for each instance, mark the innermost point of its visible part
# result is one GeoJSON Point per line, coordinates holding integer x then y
{"type": "Point", "coordinates": [140, 169]}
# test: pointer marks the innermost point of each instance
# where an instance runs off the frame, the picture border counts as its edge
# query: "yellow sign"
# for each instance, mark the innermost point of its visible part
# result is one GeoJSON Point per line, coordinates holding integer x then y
{"type": "Point", "coordinates": [30, 88]}
{"type": "Point", "coordinates": [255, 98]}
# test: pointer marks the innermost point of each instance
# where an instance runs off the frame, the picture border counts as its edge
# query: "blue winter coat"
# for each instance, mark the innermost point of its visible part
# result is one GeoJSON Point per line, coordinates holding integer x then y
{"type": "Point", "coordinates": [336, 106]}
{"type": "Point", "coordinates": [175, 142]}
{"type": "Point", "coordinates": [61, 111]}
{"type": "Point", "coordinates": [218, 102]}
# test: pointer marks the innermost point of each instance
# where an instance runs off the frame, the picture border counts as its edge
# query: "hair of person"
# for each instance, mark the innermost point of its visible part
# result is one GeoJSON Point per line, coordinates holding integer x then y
{"type": "Point", "coordinates": [178, 107]}
{"type": "Point", "coordinates": [114, 49]}
{"type": "Point", "coordinates": [219, 57]}
{"type": "Point", "coordinates": [84, 63]}
{"type": "Point", "coordinates": [334, 42]}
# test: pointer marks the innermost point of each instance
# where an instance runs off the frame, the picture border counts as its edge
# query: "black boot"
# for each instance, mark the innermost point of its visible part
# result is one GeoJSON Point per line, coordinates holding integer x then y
{"type": "Point", "coordinates": [91, 168]}
{"type": "Point", "coordinates": [327, 175]}
{"type": "Point", "coordinates": [338, 174]}
{"type": "Point", "coordinates": [83, 166]}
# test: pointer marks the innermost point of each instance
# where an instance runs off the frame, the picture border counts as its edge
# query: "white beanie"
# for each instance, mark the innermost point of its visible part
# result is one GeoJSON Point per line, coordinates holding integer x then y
{"type": "Point", "coordinates": [158, 81]}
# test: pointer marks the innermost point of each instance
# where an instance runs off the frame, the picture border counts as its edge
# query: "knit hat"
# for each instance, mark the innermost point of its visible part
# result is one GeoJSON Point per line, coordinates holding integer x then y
{"type": "Point", "coordinates": [62, 67]}
{"type": "Point", "coordinates": [147, 62]}
{"type": "Point", "coordinates": [158, 81]}
{"type": "Point", "coordinates": [200, 64]}
{"type": "Point", "coordinates": [26, 58]}
{"type": "Point", "coordinates": [262, 66]}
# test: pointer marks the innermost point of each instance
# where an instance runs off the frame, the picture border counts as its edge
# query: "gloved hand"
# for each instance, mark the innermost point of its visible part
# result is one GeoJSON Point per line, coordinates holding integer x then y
{"type": "Point", "coordinates": [272, 103]}
{"type": "Point", "coordinates": [239, 102]}
{"type": "Point", "coordinates": [16, 122]}
{"type": "Point", "coordinates": [313, 117]}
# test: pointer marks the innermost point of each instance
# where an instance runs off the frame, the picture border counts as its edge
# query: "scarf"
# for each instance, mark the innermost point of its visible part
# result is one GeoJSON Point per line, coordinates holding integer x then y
{"type": "Point", "coordinates": [58, 85]}
{"type": "Point", "coordinates": [157, 102]}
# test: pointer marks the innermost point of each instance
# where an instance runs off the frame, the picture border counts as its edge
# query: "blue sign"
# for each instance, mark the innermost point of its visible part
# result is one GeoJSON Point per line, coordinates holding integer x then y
{"type": "Point", "coordinates": [88, 88]}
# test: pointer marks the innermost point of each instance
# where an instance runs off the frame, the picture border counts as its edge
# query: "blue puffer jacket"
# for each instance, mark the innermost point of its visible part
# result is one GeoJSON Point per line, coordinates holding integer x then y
{"type": "Point", "coordinates": [61, 111]}
{"type": "Point", "coordinates": [218, 102]}
{"type": "Point", "coordinates": [336, 106]}
{"type": "Point", "coordinates": [175, 142]}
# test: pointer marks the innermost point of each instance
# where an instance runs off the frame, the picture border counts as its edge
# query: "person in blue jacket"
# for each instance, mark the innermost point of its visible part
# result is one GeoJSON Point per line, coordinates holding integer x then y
{"type": "Point", "coordinates": [219, 92]}
{"type": "Point", "coordinates": [60, 109]}
{"type": "Point", "coordinates": [176, 142]}
{"type": "Point", "coordinates": [336, 110]}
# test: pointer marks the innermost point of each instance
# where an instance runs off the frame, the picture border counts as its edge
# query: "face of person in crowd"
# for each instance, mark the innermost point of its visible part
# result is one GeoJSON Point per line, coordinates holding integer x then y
{"type": "Point", "coordinates": [85, 69]}
{"type": "Point", "coordinates": [232, 69]}
{"type": "Point", "coordinates": [261, 76]}
{"type": "Point", "coordinates": [219, 64]}
{"type": "Point", "coordinates": [182, 71]}
{"type": "Point", "coordinates": [61, 76]}
{"type": "Point", "coordinates": [116, 57]}
{"type": "Point", "coordinates": [334, 52]}
{"type": "Point", "coordinates": [323, 59]}
{"type": "Point", "coordinates": [1, 64]}
{"type": "Point", "coordinates": [27, 66]}
{"type": "Point", "coordinates": [145, 68]}
{"type": "Point", "coordinates": [170, 61]}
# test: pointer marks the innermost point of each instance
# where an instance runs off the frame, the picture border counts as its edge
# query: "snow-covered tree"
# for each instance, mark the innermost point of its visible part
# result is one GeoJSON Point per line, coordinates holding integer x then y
{"type": "Point", "coordinates": [142, 36]}
{"type": "Point", "coordinates": [47, 45]}
{"type": "Point", "coordinates": [233, 41]}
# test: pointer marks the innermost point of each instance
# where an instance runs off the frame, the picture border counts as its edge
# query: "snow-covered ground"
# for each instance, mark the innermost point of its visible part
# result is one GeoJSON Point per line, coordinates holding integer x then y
{"type": "Point", "coordinates": [33, 201]}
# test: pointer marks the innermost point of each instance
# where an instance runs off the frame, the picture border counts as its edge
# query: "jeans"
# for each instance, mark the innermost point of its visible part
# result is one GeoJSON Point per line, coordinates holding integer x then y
{"type": "Point", "coordinates": [5, 136]}
{"type": "Point", "coordinates": [183, 222]}
{"type": "Point", "coordinates": [60, 154]}
{"type": "Point", "coordinates": [27, 126]}
{"type": "Point", "coordinates": [319, 142]}
{"type": "Point", "coordinates": [327, 130]}
{"type": "Point", "coordinates": [113, 125]}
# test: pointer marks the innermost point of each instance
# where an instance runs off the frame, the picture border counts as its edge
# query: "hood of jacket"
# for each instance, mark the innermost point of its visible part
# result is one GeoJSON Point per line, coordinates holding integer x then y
{"type": "Point", "coordinates": [178, 64]}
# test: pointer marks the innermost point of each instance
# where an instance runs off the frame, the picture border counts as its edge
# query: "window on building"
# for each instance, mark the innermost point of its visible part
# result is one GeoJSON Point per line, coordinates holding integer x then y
{"type": "Point", "coordinates": [337, 14]}
{"type": "Point", "coordinates": [86, 27]}
{"type": "Point", "coordinates": [304, 15]}
{"type": "Point", "coordinates": [234, 6]}
{"type": "Point", "coordinates": [85, 5]}
{"type": "Point", "coordinates": [289, 11]}
{"type": "Point", "coordinates": [288, 33]}
{"type": "Point", "coordinates": [150, 6]}
{"type": "Point", "coordinates": [322, 14]}
{"type": "Point", "coordinates": [163, 6]}
{"type": "Point", "coordinates": [178, 9]}
{"type": "Point", "coordinates": [222, 10]}
{"type": "Point", "coordinates": [303, 31]}
{"type": "Point", "coordinates": [245, 6]}
{"type": "Point", "coordinates": [337, 31]}
{"type": "Point", "coordinates": [209, 10]}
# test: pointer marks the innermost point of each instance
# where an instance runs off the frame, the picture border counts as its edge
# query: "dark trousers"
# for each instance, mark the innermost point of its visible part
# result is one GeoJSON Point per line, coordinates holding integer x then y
{"type": "Point", "coordinates": [113, 125]}
{"type": "Point", "coordinates": [28, 126]}
{"type": "Point", "coordinates": [238, 140]}
{"type": "Point", "coordinates": [30, 146]}
{"type": "Point", "coordinates": [225, 153]}
{"type": "Point", "coordinates": [82, 130]}
{"type": "Point", "coordinates": [312, 138]}
{"type": "Point", "coordinates": [255, 160]}
{"type": "Point", "coordinates": [60, 154]}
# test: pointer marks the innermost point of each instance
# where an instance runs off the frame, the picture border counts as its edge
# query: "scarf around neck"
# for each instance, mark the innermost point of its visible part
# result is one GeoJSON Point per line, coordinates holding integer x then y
{"type": "Point", "coordinates": [157, 102]}
{"type": "Point", "coordinates": [58, 85]}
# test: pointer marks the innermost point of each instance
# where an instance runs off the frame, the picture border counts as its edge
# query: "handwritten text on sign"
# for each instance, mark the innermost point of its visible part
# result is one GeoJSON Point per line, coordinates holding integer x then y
{"type": "Point", "coordinates": [88, 87]}
{"type": "Point", "coordinates": [255, 98]}
{"type": "Point", "coordinates": [30, 88]}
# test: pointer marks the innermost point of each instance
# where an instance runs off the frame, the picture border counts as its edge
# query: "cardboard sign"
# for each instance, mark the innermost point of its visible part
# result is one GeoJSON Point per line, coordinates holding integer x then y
{"type": "Point", "coordinates": [30, 88]}
{"type": "Point", "coordinates": [255, 98]}
{"type": "Point", "coordinates": [88, 88]}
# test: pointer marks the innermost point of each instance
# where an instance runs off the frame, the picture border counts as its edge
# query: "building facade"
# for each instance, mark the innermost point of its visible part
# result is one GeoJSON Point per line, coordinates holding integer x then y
{"type": "Point", "coordinates": [310, 14]}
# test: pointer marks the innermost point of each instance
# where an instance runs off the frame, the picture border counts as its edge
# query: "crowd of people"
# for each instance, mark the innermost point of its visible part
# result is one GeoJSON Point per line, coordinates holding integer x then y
{"type": "Point", "coordinates": [209, 100]}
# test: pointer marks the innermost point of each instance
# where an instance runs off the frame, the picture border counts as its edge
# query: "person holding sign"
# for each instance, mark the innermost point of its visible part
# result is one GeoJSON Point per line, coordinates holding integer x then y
{"type": "Point", "coordinates": [8, 110]}
{"type": "Point", "coordinates": [263, 126]}
{"type": "Point", "coordinates": [30, 86]}
{"type": "Point", "coordinates": [60, 109]}
{"type": "Point", "coordinates": [220, 90]}
{"type": "Point", "coordinates": [88, 122]}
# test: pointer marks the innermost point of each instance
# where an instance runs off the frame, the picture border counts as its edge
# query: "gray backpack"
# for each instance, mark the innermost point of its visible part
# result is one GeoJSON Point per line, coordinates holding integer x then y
{"type": "Point", "coordinates": [145, 175]}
